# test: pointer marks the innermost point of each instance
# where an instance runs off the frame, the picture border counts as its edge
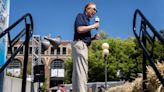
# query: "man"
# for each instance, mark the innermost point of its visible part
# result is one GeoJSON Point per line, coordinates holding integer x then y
{"type": "Point", "coordinates": [82, 39]}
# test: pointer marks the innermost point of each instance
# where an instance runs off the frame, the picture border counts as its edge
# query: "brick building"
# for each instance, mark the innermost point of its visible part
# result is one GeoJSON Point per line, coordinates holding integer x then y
{"type": "Point", "coordinates": [53, 60]}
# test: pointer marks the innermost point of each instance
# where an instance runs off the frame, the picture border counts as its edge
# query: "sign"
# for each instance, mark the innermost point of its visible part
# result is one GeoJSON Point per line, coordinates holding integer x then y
{"type": "Point", "coordinates": [57, 72]}
{"type": "Point", "coordinates": [4, 21]}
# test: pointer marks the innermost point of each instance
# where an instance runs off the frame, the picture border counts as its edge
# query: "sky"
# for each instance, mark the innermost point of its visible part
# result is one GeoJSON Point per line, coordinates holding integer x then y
{"type": "Point", "coordinates": [56, 17]}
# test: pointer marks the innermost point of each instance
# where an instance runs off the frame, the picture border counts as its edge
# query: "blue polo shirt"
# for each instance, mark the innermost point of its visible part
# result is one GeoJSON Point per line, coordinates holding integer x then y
{"type": "Point", "coordinates": [82, 20]}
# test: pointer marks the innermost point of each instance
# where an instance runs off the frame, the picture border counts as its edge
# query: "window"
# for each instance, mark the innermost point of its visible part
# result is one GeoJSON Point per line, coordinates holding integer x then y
{"type": "Point", "coordinates": [42, 51]}
{"type": "Point", "coordinates": [15, 64]}
{"type": "Point", "coordinates": [57, 64]}
{"type": "Point", "coordinates": [52, 50]}
{"type": "Point", "coordinates": [8, 51]}
{"type": "Point", "coordinates": [15, 48]}
{"type": "Point", "coordinates": [64, 50]}
{"type": "Point", "coordinates": [21, 51]}
{"type": "Point", "coordinates": [58, 51]}
{"type": "Point", "coordinates": [30, 50]}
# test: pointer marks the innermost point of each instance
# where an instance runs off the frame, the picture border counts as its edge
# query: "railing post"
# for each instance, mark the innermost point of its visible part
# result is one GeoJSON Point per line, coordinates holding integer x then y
{"type": "Point", "coordinates": [26, 57]}
{"type": "Point", "coordinates": [147, 55]}
{"type": "Point", "coordinates": [143, 28]}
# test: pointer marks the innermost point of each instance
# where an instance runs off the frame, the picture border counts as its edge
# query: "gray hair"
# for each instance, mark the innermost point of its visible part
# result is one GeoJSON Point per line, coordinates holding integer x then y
{"type": "Point", "coordinates": [91, 3]}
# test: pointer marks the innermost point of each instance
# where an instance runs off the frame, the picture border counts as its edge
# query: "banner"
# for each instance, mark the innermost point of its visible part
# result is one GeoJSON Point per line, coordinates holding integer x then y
{"type": "Point", "coordinates": [4, 22]}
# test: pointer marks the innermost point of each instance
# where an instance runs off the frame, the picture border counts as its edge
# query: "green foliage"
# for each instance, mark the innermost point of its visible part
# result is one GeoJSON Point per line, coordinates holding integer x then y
{"type": "Point", "coordinates": [96, 63]}
{"type": "Point", "coordinates": [124, 55]}
{"type": "Point", "coordinates": [8, 74]}
{"type": "Point", "coordinates": [29, 67]}
{"type": "Point", "coordinates": [103, 35]}
{"type": "Point", "coordinates": [43, 87]}
{"type": "Point", "coordinates": [68, 70]}
{"type": "Point", "coordinates": [158, 50]}
{"type": "Point", "coordinates": [28, 70]}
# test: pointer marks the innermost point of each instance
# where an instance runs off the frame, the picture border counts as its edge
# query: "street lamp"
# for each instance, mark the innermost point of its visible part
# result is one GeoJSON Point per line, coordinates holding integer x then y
{"type": "Point", "coordinates": [55, 42]}
{"type": "Point", "coordinates": [105, 47]}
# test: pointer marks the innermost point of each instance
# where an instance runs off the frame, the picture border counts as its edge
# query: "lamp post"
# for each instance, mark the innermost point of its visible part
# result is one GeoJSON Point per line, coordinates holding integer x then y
{"type": "Point", "coordinates": [105, 47]}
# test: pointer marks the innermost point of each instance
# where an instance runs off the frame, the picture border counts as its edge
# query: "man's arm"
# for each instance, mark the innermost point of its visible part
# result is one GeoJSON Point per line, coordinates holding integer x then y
{"type": "Point", "coordinates": [84, 29]}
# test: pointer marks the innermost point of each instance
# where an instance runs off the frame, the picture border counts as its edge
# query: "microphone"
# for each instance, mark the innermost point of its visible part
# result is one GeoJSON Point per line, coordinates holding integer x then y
{"type": "Point", "coordinates": [97, 19]}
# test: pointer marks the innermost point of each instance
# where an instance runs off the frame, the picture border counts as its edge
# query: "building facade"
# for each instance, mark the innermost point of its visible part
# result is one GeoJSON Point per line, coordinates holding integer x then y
{"type": "Point", "coordinates": [53, 60]}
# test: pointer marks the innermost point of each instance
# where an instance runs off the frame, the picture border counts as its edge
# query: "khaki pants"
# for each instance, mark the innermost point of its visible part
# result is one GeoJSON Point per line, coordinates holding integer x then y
{"type": "Point", "coordinates": [80, 66]}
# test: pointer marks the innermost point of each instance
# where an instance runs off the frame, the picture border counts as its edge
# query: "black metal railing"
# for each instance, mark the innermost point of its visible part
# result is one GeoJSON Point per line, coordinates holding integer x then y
{"type": "Point", "coordinates": [27, 31]}
{"type": "Point", "coordinates": [143, 37]}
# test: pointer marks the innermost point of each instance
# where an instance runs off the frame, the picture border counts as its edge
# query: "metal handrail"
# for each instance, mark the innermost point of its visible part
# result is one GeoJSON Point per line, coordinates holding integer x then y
{"type": "Point", "coordinates": [17, 22]}
{"type": "Point", "coordinates": [142, 38]}
{"type": "Point", "coordinates": [28, 32]}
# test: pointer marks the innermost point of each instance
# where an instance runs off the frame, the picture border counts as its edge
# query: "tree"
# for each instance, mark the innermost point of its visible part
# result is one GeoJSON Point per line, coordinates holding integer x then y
{"type": "Point", "coordinates": [68, 70]}
{"type": "Point", "coordinates": [124, 56]}
{"type": "Point", "coordinates": [103, 35]}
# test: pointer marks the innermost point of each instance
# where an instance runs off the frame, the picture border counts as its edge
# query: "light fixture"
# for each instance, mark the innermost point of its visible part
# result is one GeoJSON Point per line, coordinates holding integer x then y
{"type": "Point", "coordinates": [105, 47]}
{"type": "Point", "coordinates": [55, 42]}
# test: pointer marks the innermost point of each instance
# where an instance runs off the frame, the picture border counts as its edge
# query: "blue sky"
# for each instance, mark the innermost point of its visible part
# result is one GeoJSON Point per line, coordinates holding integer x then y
{"type": "Point", "coordinates": [56, 17]}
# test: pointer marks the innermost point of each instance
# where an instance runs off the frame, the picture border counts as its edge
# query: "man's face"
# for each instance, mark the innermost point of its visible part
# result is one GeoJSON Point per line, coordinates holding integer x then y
{"type": "Point", "coordinates": [91, 10]}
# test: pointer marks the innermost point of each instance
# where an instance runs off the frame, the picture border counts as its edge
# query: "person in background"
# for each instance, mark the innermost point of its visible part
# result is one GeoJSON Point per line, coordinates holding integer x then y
{"type": "Point", "coordinates": [61, 88]}
{"type": "Point", "coordinates": [70, 90]}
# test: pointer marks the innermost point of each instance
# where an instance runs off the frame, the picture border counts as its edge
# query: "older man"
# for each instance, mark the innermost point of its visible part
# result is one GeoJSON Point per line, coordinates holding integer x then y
{"type": "Point", "coordinates": [82, 39]}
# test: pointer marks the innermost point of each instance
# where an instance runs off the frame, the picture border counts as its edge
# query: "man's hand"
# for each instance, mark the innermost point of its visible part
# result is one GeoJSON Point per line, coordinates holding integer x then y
{"type": "Point", "coordinates": [96, 37]}
{"type": "Point", "coordinates": [96, 25]}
